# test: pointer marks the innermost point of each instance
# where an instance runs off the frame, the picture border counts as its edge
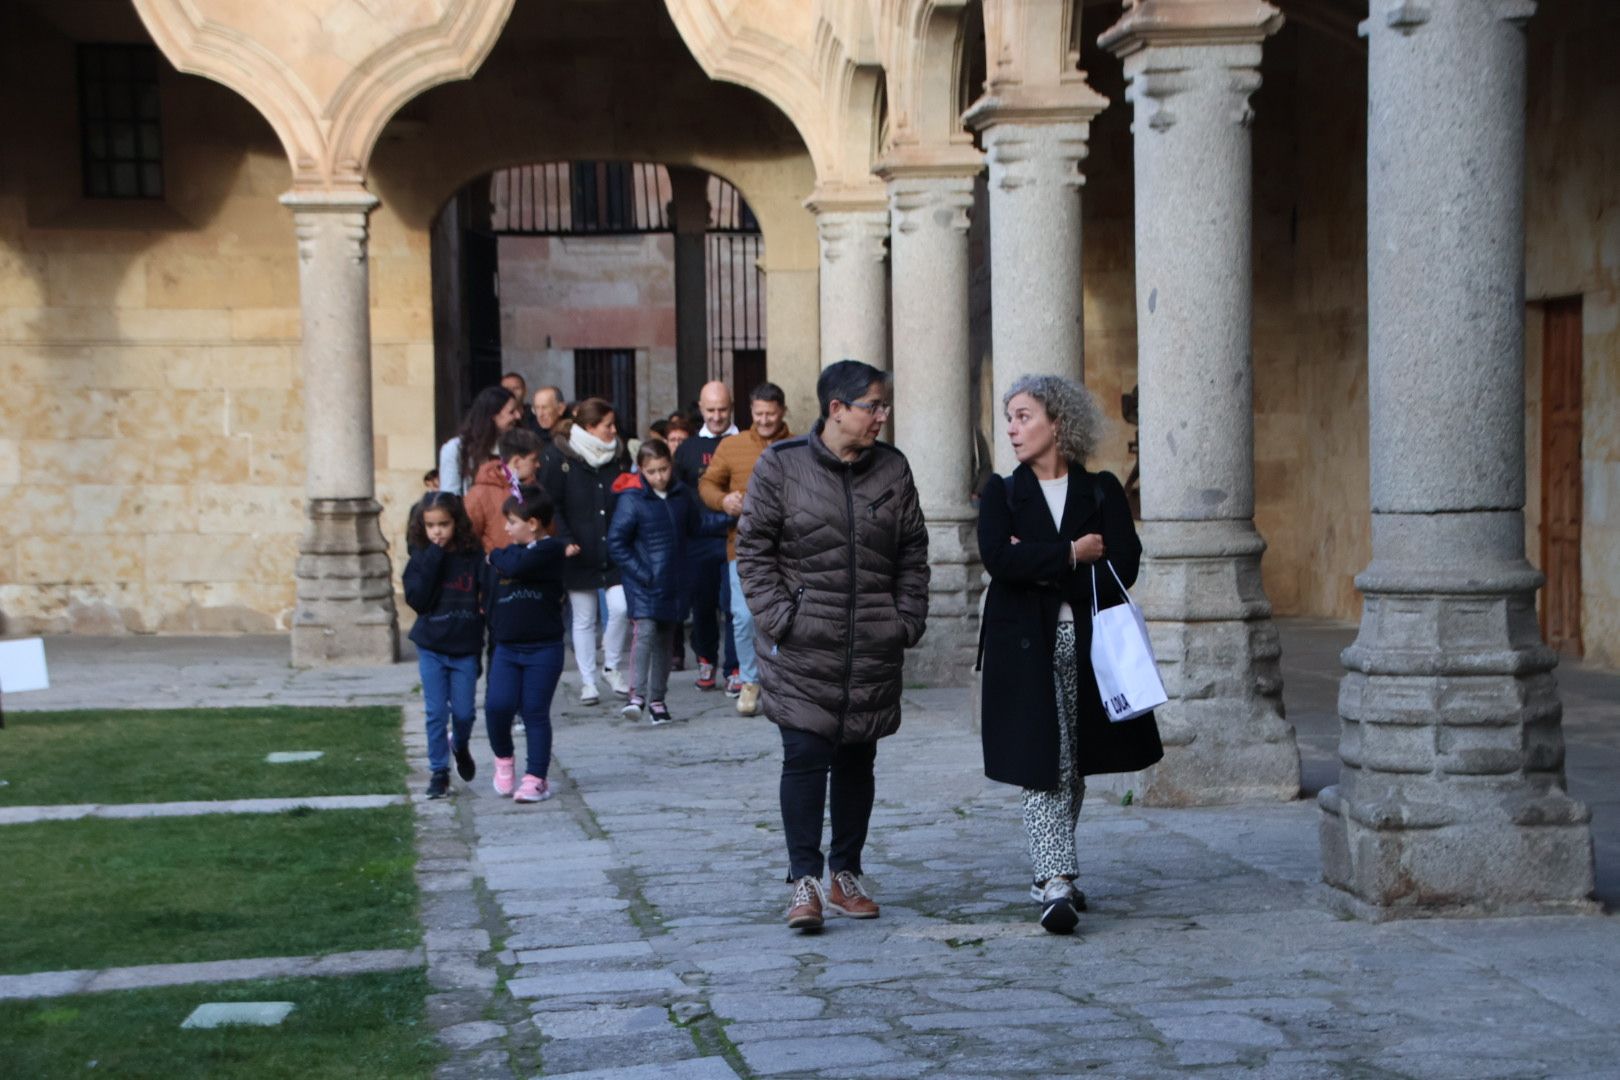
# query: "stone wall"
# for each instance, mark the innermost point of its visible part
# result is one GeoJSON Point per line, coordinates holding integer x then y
{"type": "Point", "coordinates": [1312, 500]}
{"type": "Point", "coordinates": [559, 294]}
{"type": "Point", "coordinates": [151, 449]}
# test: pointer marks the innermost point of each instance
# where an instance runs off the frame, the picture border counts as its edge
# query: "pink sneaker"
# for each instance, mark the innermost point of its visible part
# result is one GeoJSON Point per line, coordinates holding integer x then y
{"type": "Point", "coordinates": [504, 772]}
{"type": "Point", "coordinates": [533, 789]}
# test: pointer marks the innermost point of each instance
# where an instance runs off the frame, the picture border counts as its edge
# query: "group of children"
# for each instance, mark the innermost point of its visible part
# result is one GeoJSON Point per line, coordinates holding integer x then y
{"type": "Point", "coordinates": [487, 564]}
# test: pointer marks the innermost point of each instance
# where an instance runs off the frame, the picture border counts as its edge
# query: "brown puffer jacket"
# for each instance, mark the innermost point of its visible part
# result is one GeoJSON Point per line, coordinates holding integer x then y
{"type": "Point", "coordinates": [833, 558]}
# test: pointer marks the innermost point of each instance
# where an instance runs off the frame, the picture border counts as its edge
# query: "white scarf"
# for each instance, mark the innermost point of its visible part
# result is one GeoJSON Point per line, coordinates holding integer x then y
{"type": "Point", "coordinates": [595, 452]}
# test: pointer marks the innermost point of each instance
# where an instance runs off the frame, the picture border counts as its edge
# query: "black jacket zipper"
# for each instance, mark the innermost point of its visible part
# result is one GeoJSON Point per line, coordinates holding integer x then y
{"type": "Point", "coordinates": [793, 614]}
{"type": "Point", "coordinates": [849, 650]}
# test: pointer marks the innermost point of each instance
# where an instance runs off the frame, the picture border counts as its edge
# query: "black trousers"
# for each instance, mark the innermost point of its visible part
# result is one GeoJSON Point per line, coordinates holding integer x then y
{"type": "Point", "coordinates": [810, 765]}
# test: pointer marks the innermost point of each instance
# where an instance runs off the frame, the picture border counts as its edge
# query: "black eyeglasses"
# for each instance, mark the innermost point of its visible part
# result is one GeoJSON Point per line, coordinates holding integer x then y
{"type": "Point", "coordinates": [878, 410]}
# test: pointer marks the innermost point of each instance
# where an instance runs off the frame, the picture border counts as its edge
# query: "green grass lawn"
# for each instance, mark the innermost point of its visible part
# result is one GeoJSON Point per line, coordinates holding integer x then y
{"type": "Point", "coordinates": [361, 1026]}
{"type": "Point", "coordinates": [108, 893]}
{"type": "Point", "coordinates": [174, 755]}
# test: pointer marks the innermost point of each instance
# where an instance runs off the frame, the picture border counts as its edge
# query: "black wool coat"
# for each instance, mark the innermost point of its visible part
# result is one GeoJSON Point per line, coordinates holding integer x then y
{"type": "Point", "coordinates": [1029, 581]}
{"type": "Point", "coordinates": [582, 504]}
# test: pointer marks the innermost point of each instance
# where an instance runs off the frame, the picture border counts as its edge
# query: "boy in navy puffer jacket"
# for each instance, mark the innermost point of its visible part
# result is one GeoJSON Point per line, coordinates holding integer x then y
{"type": "Point", "coordinates": [647, 542]}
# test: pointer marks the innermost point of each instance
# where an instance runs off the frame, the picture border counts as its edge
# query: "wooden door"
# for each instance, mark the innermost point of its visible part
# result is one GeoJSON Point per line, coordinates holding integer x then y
{"type": "Point", "coordinates": [1561, 474]}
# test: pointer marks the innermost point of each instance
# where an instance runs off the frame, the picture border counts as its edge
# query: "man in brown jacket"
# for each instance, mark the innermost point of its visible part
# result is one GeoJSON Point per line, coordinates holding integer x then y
{"type": "Point", "coordinates": [833, 556]}
{"type": "Point", "coordinates": [723, 485]}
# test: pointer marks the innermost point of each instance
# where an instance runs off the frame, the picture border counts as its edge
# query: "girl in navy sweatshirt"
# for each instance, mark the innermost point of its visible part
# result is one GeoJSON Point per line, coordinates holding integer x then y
{"type": "Point", "coordinates": [444, 585]}
{"type": "Point", "coordinates": [525, 622]}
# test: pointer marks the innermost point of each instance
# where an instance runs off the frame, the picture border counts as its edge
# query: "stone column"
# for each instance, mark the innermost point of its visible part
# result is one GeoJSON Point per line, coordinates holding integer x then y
{"type": "Point", "coordinates": [345, 611]}
{"type": "Point", "coordinates": [1451, 796]}
{"type": "Point", "coordinates": [1190, 72]}
{"type": "Point", "coordinates": [689, 190]}
{"type": "Point", "coordinates": [932, 390]}
{"type": "Point", "coordinates": [1035, 292]}
{"type": "Point", "coordinates": [854, 282]}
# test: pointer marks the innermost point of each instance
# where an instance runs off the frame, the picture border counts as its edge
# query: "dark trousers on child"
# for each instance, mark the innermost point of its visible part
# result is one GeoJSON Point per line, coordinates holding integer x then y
{"type": "Point", "coordinates": [523, 678]}
{"type": "Point", "coordinates": [809, 762]}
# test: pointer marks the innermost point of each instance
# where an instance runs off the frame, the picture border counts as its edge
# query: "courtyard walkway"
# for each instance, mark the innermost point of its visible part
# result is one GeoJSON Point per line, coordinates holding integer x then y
{"type": "Point", "coordinates": [632, 927]}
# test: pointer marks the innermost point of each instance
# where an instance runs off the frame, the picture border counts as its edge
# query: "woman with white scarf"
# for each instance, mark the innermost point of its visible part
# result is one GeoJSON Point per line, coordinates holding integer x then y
{"type": "Point", "coordinates": [579, 475]}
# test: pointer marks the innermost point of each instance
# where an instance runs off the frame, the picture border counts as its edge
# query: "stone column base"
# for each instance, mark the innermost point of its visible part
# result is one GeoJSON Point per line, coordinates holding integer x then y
{"type": "Point", "coordinates": [1225, 737]}
{"type": "Point", "coordinates": [1451, 796]}
{"type": "Point", "coordinates": [345, 612]}
{"type": "Point", "coordinates": [946, 654]}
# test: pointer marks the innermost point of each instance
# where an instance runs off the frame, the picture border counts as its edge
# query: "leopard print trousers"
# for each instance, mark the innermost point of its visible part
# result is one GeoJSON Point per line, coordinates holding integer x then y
{"type": "Point", "coordinates": [1050, 817]}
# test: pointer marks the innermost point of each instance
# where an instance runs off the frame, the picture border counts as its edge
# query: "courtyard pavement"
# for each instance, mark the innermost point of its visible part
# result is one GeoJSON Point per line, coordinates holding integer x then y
{"type": "Point", "coordinates": [632, 927]}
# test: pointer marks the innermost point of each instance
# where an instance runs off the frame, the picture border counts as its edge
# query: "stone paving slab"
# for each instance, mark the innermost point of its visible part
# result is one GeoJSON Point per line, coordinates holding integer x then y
{"type": "Point", "coordinates": [25, 815]}
{"type": "Point", "coordinates": [49, 984]}
{"type": "Point", "coordinates": [709, 1068]}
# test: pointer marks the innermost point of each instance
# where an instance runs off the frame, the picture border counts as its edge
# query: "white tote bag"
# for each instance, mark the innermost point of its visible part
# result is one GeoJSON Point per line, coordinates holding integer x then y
{"type": "Point", "coordinates": [1122, 657]}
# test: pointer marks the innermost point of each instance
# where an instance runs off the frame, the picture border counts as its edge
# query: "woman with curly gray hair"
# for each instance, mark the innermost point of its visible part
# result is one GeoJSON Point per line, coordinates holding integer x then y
{"type": "Point", "coordinates": [1043, 530]}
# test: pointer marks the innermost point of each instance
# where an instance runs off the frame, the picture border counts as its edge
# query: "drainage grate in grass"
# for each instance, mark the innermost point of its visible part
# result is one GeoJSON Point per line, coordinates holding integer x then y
{"type": "Point", "coordinates": [176, 755]}
{"type": "Point", "coordinates": [354, 1026]}
{"type": "Point", "coordinates": [96, 894]}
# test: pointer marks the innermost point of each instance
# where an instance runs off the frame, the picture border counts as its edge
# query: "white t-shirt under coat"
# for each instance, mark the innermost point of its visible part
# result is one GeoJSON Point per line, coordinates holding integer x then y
{"type": "Point", "coordinates": [1057, 496]}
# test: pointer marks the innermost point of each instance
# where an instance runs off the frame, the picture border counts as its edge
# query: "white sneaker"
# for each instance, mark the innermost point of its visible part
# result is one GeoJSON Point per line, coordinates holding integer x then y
{"type": "Point", "coordinates": [616, 682]}
{"type": "Point", "coordinates": [632, 709]}
{"type": "Point", "coordinates": [589, 696]}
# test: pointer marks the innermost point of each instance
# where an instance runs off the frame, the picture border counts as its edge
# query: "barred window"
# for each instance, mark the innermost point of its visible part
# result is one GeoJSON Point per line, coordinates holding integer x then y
{"type": "Point", "coordinates": [603, 197]}
{"type": "Point", "coordinates": [118, 119]}
{"type": "Point", "coordinates": [609, 374]}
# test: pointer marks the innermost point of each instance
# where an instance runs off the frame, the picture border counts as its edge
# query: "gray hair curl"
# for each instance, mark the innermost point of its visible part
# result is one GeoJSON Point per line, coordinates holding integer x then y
{"type": "Point", "coordinates": [1073, 411]}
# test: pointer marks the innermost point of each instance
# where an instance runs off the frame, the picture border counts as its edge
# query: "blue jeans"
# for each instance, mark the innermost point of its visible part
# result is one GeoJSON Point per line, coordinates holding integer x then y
{"type": "Point", "coordinates": [449, 692]}
{"type": "Point", "coordinates": [711, 592]}
{"type": "Point", "coordinates": [742, 628]}
{"type": "Point", "coordinates": [523, 677]}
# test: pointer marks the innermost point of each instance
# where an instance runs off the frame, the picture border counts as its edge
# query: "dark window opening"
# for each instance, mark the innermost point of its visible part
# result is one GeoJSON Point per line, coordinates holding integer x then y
{"type": "Point", "coordinates": [609, 374]}
{"type": "Point", "coordinates": [747, 372]}
{"type": "Point", "coordinates": [603, 195]}
{"type": "Point", "coordinates": [119, 122]}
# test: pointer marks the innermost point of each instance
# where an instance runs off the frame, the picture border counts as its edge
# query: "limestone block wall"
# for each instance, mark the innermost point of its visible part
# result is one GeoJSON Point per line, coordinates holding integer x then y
{"type": "Point", "coordinates": [1312, 500]}
{"type": "Point", "coordinates": [151, 421]}
{"type": "Point", "coordinates": [151, 442]}
{"type": "Point", "coordinates": [605, 292]}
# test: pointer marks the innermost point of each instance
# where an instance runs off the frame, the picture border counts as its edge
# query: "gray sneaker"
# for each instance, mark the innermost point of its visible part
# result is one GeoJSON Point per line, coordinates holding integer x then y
{"type": "Point", "coordinates": [1037, 890]}
{"type": "Point", "coordinates": [1058, 912]}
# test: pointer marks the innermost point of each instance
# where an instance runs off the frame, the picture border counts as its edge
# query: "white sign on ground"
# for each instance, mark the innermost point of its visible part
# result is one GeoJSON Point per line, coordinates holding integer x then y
{"type": "Point", "coordinates": [256, 1013]}
{"type": "Point", "coordinates": [284, 757]}
{"type": "Point", "coordinates": [22, 666]}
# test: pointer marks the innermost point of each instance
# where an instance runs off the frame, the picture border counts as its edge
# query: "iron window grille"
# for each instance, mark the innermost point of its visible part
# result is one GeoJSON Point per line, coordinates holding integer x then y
{"type": "Point", "coordinates": [120, 122]}
{"type": "Point", "coordinates": [609, 374]}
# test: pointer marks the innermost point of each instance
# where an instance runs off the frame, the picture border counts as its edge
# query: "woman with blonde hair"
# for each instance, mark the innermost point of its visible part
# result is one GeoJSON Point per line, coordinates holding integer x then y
{"type": "Point", "coordinates": [1044, 534]}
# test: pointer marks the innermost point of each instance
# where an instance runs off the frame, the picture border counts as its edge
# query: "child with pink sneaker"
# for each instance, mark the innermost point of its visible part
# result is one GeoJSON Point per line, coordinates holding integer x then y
{"type": "Point", "coordinates": [525, 623]}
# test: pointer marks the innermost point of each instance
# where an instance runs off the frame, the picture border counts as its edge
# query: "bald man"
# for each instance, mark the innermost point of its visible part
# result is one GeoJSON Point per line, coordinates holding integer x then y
{"type": "Point", "coordinates": [706, 557]}
{"type": "Point", "coordinates": [549, 407]}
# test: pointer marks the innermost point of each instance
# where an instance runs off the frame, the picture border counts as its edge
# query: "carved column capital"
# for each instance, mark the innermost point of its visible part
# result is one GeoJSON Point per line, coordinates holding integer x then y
{"type": "Point", "coordinates": [854, 234]}
{"type": "Point", "coordinates": [941, 201]}
{"type": "Point", "coordinates": [1037, 155]}
{"type": "Point", "coordinates": [342, 214]}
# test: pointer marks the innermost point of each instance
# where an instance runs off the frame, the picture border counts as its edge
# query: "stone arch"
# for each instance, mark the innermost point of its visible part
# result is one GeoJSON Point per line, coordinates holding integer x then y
{"type": "Point", "coordinates": [328, 81]}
